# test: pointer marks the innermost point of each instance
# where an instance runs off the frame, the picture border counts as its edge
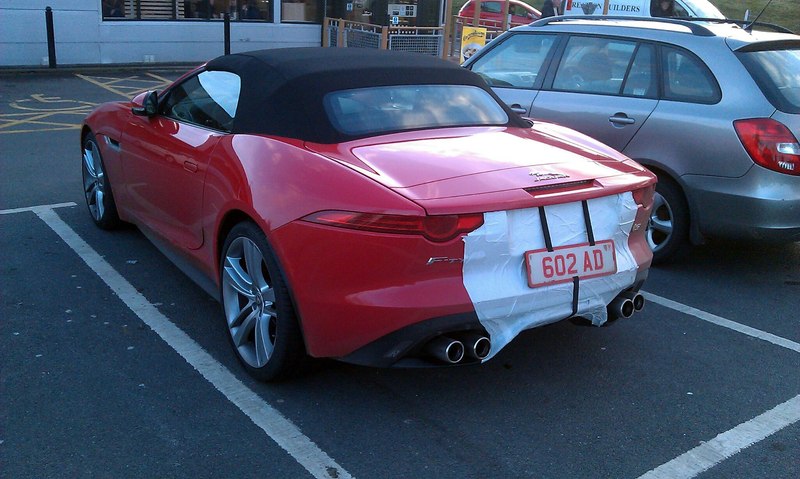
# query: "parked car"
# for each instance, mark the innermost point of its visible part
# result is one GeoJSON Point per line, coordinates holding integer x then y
{"type": "Point", "coordinates": [491, 15]}
{"type": "Point", "coordinates": [713, 108]}
{"type": "Point", "coordinates": [372, 206]}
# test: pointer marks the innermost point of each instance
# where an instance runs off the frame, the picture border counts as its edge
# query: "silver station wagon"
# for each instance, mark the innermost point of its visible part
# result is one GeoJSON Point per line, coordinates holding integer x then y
{"type": "Point", "coordinates": [711, 107]}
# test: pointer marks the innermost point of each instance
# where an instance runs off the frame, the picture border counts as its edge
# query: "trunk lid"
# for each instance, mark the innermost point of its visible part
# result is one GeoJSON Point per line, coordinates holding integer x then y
{"type": "Point", "coordinates": [463, 169]}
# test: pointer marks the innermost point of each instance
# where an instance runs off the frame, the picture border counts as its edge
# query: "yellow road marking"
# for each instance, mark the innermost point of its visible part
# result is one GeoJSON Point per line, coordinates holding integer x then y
{"type": "Point", "coordinates": [42, 110]}
{"type": "Point", "coordinates": [102, 85]}
{"type": "Point", "coordinates": [115, 85]}
{"type": "Point", "coordinates": [165, 81]}
{"type": "Point", "coordinates": [70, 127]}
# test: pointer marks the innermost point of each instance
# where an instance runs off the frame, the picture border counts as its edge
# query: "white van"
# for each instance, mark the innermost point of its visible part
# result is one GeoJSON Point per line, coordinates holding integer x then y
{"type": "Point", "coordinates": [640, 8]}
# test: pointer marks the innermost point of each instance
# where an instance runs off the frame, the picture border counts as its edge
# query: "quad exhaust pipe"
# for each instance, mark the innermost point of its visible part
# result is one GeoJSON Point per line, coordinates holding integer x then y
{"type": "Point", "coordinates": [452, 351]}
{"type": "Point", "coordinates": [636, 298]}
{"type": "Point", "coordinates": [624, 305]}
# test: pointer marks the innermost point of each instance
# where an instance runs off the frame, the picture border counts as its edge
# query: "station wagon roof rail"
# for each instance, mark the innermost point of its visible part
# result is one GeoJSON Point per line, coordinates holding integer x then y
{"type": "Point", "coordinates": [692, 23]}
{"type": "Point", "coordinates": [694, 28]}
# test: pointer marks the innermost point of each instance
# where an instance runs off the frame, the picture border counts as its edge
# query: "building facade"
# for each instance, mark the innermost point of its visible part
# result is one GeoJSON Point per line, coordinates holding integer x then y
{"type": "Point", "coordinates": [137, 31]}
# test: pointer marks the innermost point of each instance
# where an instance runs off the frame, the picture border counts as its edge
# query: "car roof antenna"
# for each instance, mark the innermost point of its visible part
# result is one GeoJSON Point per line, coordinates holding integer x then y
{"type": "Point", "coordinates": [749, 26]}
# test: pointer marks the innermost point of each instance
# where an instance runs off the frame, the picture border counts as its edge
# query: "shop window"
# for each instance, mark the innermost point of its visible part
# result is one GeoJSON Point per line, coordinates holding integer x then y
{"type": "Point", "coordinates": [245, 10]}
{"type": "Point", "coordinates": [301, 11]}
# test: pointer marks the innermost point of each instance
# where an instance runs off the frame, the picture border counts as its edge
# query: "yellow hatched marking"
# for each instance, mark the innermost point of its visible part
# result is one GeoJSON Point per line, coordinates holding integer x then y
{"type": "Point", "coordinates": [45, 112]}
{"type": "Point", "coordinates": [130, 86]}
{"type": "Point", "coordinates": [105, 86]}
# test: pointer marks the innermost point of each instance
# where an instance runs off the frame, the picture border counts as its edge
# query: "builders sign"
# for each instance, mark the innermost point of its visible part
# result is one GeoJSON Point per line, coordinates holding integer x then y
{"type": "Point", "coordinates": [615, 7]}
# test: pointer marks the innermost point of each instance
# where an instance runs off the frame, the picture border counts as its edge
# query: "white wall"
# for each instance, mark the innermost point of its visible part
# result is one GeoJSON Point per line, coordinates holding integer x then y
{"type": "Point", "coordinates": [82, 37]}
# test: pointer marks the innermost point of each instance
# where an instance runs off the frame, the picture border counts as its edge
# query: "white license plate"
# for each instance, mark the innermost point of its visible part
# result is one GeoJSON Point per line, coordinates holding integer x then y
{"type": "Point", "coordinates": [566, 262]}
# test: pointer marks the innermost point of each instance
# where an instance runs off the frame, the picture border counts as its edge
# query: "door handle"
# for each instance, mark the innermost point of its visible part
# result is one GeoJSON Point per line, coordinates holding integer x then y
{"type": "Point", "coordinates": [517, 108]}
{"type": "Point", "coordinates": [190, 166]}
{"type": "Point", "coordinates": [621, 119]}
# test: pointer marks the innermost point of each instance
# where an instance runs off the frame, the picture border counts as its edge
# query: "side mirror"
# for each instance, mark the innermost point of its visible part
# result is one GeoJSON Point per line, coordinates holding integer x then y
{"type": "Point", "coordinates": [149, 104]}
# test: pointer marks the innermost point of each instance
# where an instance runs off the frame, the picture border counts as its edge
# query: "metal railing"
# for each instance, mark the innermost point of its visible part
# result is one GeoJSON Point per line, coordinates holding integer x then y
{"type": "Point", "coordinates": [338, 32]}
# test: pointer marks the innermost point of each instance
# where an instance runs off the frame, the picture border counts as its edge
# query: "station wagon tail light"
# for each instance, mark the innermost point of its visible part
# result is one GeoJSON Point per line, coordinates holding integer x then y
{"type": "Point", "coordinates": [770, 144]}
{"type": "Point", "coordinates": [435, 228]}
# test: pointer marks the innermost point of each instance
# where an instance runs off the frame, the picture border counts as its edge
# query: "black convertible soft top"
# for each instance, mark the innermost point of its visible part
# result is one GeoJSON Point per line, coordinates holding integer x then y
{"type": "Point", "coordinates": [282, 90]}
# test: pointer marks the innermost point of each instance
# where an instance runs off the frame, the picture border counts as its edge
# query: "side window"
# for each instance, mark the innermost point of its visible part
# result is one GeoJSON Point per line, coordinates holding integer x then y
{"type": "Point", "coordinates": [517, 10]}
{"type": "Point", "coordinates": [594, 65]}
{"type": "Point", "coordinates": [491, 7]}
{"type": "Point", "coordinates": [641, 79]}
{"type": "Point", "coordinates": [208, 99]}
{"type": "Point", "coordinates": [517, 62]}
{"type": "Point", "coordinates": [686, 78]}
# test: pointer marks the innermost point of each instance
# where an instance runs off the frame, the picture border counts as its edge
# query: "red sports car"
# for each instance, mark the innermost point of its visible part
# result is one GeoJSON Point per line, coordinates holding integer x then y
{"type": "Point", "coordinates": [376, 207]}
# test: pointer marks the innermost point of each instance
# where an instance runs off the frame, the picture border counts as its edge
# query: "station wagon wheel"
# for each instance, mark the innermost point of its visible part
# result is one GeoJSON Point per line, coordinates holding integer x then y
{"type": "Point", "coordinates": [258, 310]}
{"type": "Point", "coordinates": [96, 186]}
{"type": "Point", "coordinates": [668, 228]}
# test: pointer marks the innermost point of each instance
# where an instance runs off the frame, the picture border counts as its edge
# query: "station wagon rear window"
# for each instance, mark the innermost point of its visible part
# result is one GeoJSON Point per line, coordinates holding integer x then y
{"type": "Point", "coordinates": [373, 110]}
{"type": "Point", "coordinates": [777, 73]}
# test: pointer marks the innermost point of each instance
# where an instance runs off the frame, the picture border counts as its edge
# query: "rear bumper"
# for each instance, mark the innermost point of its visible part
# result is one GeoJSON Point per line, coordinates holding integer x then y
{"type": "Point", "coordinates": [762, 205]}
{"type": "Point", "coordinates": [404, 347]}
{"type": "Point", "coordinates": [377, 299]}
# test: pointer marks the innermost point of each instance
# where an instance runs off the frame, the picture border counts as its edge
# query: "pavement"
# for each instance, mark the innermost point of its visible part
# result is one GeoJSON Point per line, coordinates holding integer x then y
{"type": "Point", "coordinates": [114, 364]}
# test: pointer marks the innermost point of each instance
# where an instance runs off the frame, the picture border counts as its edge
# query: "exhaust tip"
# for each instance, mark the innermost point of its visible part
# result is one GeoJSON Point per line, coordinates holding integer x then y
{"type": "Point", "coordinates": [621, 307]}
{"type": "Point", "coordinates": [455, 351]}
{"type": "Point", "coordinates": [638, 302]}
{"type": "Point", "coordinates": [446, 349]}
{"type": "Point", "coordinates": [481, 348]}
{"type": "Point", "coordinates": [478, 347]}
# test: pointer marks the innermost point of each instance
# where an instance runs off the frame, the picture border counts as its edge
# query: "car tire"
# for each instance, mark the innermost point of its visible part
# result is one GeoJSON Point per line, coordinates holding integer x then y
{"type": "Point", "coordinates": [97, 187]}
{"type": "Point", "coordinates": [259, 314]}
{"type": "Point", "coordinates": [668, 227]}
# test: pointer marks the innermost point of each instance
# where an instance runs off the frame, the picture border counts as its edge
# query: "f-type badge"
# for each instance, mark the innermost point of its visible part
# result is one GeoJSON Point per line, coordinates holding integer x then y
{"type": "Point", "coordinates": [537, 176]}
{"type": "Point", "coordinates": [444, 259]}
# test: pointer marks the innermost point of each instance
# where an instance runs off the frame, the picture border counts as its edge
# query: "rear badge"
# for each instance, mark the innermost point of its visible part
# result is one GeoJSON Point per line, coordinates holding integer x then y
{"type": "Point", "coordinates": [444, 259]}
{"type": "Point", "coordinates": [546, 176]}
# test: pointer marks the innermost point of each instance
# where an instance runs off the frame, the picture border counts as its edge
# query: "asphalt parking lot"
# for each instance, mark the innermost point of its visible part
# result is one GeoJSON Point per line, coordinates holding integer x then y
{"type": "Point", "coordinates": [114, 364]}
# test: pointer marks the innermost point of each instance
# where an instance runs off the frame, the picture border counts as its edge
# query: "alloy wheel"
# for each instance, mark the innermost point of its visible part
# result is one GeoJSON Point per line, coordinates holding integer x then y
{"type": "Point", "coordinates": [249, 302]}
{"type": "Point", "coordinates": [94, 183]}
{"type": "Point", "coordinates": [661, 224]}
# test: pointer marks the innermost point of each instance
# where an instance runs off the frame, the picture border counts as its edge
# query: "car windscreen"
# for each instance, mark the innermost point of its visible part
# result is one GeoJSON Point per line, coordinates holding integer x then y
{"type": "Point", "coordinates": [383, 109]}
{"type": "Point", "coordinates": [699, 8]}
{"type": "Point", "coordinates": [777, 73]}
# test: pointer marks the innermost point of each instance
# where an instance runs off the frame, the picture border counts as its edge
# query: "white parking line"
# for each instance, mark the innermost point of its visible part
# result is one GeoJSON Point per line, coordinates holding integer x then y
{"type": "Point", "coordinates": [277, 427]}
{"type": "Point", "coordinates": [34, 208]}
{"type": "Point", "coordinates": [725, 445]}
{"type": "Point", "coordinates": [728, 443]}
{"type": "Point", "coordinates": [725, 323]}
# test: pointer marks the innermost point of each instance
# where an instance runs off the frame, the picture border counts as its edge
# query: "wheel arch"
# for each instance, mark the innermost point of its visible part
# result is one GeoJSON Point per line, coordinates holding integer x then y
{"type": "Point", "coordinates": [228, 222]}
{"type": "Point", "coordinates": [664, 174]}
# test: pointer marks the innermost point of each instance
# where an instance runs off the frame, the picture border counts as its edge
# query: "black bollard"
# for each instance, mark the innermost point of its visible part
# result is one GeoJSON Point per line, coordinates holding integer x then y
{"type": "Point", "coordinates": [227, 21]}
{"type": "Point", "coordinates": [51, 37]}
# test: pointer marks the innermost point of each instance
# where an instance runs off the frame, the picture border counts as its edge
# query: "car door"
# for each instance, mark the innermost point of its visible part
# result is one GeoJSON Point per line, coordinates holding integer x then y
{"type": "Point", "coordinates": [603, 87]}
{"type": "Point", "coordinates": [515, 67]}
{"type": "Point", "coordinates": [165, 157]}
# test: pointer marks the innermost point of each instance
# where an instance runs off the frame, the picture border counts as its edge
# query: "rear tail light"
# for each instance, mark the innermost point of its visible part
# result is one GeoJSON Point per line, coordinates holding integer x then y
{"type": "Point", "coordinates": [434, 228]}
{"type": "Point", "coordinates": [770, 144]}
